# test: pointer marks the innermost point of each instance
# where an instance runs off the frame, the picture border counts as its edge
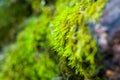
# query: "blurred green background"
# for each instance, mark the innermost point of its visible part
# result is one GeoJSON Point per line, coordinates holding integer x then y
{"type": "Point", "coordinates": [25, 52]}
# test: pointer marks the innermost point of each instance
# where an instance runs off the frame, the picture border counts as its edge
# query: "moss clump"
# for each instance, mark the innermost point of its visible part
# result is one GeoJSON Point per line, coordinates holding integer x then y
{"type": "Point", "coordinates": [73, 40]}
{"type": "Point", "coordinates": [29, 58]}
{"type": "Point", "coordinates": [60, 24]}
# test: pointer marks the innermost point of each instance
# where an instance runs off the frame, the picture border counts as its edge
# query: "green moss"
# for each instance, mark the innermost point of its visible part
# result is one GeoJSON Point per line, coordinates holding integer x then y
{"type": "Point", "coordinates": [60, 24]}
{"type": "Point", "coordinates": [72, 38]}
{"type": "Point", "coordinates": [29, 58]}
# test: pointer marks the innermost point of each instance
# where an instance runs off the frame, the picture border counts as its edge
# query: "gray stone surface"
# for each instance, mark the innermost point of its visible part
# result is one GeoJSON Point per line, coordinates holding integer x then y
{"type": "Point", "coordinates": [111, 14]}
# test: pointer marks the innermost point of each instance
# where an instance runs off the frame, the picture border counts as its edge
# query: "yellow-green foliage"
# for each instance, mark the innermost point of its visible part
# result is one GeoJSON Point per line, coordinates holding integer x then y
{"type": "Point", "coordinates": [29, 58]}
{"type": "Point", "coordinates": [61, 24]}
{"type": "Point", "coordinates": [72, 38]}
